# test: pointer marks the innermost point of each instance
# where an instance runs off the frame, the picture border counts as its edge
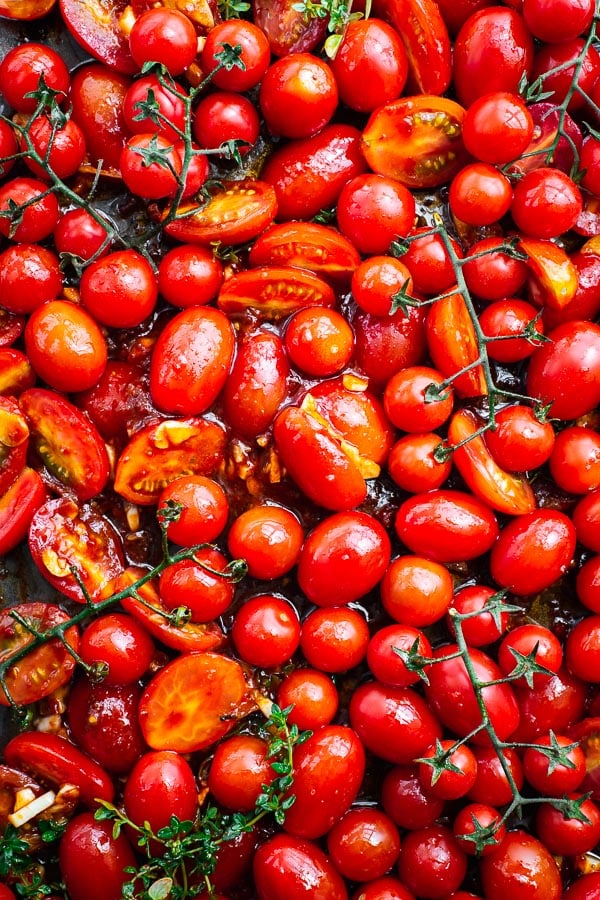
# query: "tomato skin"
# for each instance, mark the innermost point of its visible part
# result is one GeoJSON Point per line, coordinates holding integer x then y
{"type": "Point", "coordinates": [533, 551]}
{"type": "Point", "coordinates": [160, 785]}
{"type": "Point", "coordinates": [204, 509]}
{"type": "Point", "coordinates": [255, 54]}
{"type": "Point", "coordinates": [47, 667]}
{"type": "Point", "coordinates": [306, 245]}
{"type": "Point", "coordinates": [586, 518]}
{"type": "Point", "coordinates": [480, 194]}
{"type": "Point", "coordinates": [425, 36]}
{"type": "Point", "coordinates": [18, 505]}
{"type": "Point", "coordinates": [385, 664]}
{"type": "Point", "coordinates": [236, 214]}
{"type": "Point", "coordinates": [103, 722]}
{"type": "Point", "coordinates": [316, 462]}
{"type": "Point", "coordinates": [62, 534]}
{"type": "Point", "coordinates": [334, 639]}
{"type": "Point", "coordinates": [291, 868]}
{"type": "Point", "coordinates": [394, 723]}
{"type": "Point", "coordinates": [546, 203]}
{"type": "Point", "coordinates": [56, 760]}
{"type": "Point", "coordinates": [92, 861]}
{"type": "Point", "coordinates": [416, 591]}
{"type": "Point", "coordinates": [328, 771]}
{"type": "Point", "coordinates": [431, 862]}
{"type": "Point", "coordinates": [575, 460]}
{"type": "Point", "coordinates": [492, 51]}
{"type": "Point", "coordinates": [527, 639]}
{"type": "Point", "coordinates": [274, 291]}
{"type": "Point", "coordinates": [319, 341]}
{"type": "Point", "coordinates": [79, 233]}
{"type": "Point", "coordinates": [65, 346]}
{"type": "Point", "coordinates": [269, 538]}
{"type": "Point", "coordinates": [566, 371]}
{"type": "Point", "coordinates": [343, 558]}
{"type": "Point", "coordinates": [266, 631]}
{"type": "Point", "coordinates": [555, 705]}
{"type": "Point", "coordinates": [556, 779]}
{"type": "Point", "coordinates": [119, 642]}
{"type": "Point", "coordinates": [67, 442]}
{"type": "Point", "coordinates": [189, 276]}
{"type": "Point", "coordinates": [29, 275]}
{"type": "Point", "coordinates": [522, 868]}
{"type": "Point", "coordinates": [364, 844]}
{"type": "Point", "coordinates": [238, 770]}
{"type": "Point", "coordinates": [446, 526]}
{"type": "Point", "coordinates": [63, 148]}
{"type": "Point", "coordinates": [497, 488]}
{"type": "Point", "coordinates": [385, 888]}
{"type": "Point", "coordinates": [416, 140]}
{"type": "Point", "coordinates": [188, 583]}
{"type": "Point", "coordinates": [308, 174]}
{"type": "Point", "coordinates": [97, 94]}
{"type": "Point", "coordinates": [20, 73]}
{"type": "Point", "coordinates": [584, 888]}
{"type": "Point", "coordinates": [373, 210]}
{"type": "Point", "coordinates": [504, 318]}
{"type": "Point", "coordinates": [494, 275]}
{"type": "Point", "coordinates": [451, 696]}
{"type": "Point", "coordinates": [298, 95]}
{"type": "Point", "coordinates": [39, 217]}
{"type": "Point", "coordinates": [166, 36]}
{"type": "Point", "coordinates": [453, 345]}
{"type": "Point", "coordinates": [155, 180]}
{"type": "Point", "coordinates": [498, 127]}
{"type": "Point", "coordinates": [386, 344]}
{"type": "Point", "coordinates": [118, 401]}
{"type": "Point", "coordinates": [120, 289]}
{"type": "Point", "coordinates": [405, 403]}
{"type": "Point", "coordinates": [405, 801]}
{"type": "Point", "coordinates": [191, 361]}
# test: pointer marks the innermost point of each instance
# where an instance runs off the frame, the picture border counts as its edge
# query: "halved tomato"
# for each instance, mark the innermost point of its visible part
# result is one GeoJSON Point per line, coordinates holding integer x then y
{"type": "Point", "coordinates": [498, 488]}
{"type": "Point", "coordinates": [416, 140]}
{"type": "Point", "coordinates": [17, 506]}
{"type": "Point", "coordinates": [453, 345]}
{"type": "Point", "coordinates": [237, 213]}
{"type": "Point", "coordinates": [11, 327]}
{"type": "Point", "coordinates": [158, 453]}
{"type": "Point", "coordinates": [16, 372]}
{"type": "Point", "coordinates": [99, 26]}
{"type": "Point", "coordinates": [308, 245]}
{"type": "Point", "coordinates": [287, 29]}
{"type": "Point", "coordinates": [64, 537]}
{"type": "Point", "coordinates": [274, 292]}
{"type": "Point", "coordinates": [43, 669]}
{"type": "Point", "coordinates": [426, 41]}
{"type": "Point", "coordinates": [154, 616]}
{"type": "Point", "coordinates": [194, 701]}
{"type": "Point", "coordinates": [66, 441]}
{"type": "Point", "coordinates": [25, 9]}
{"type": "Point", "coordinates": [554, 278]}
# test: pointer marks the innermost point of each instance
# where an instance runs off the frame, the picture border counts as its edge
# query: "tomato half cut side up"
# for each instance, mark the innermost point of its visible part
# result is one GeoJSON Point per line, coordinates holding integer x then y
{"type": "Point", "coordinates": [554, 279]}
{"type": "Point", "coordinates": [153, 614]}
{"type": "Point", "coordinates": [17, 507]}
{"type": "Point", "coordinates": [55, 760]}
{"type": "Point", "coordinates": [193, 702]}
{"type": "Point", "coordinates": [45, 668]}
{"type": "Point", "coordinates": [96, 25]}
{"type": "Point", "coordinates": [159, 453]}
{"type": "Point", "coordinates": [501, 490]}
{"type": "Point", "coordinates": [287, 29]}
{"type": "Point", "coordinates": [236, 214]}
{"type": "Point", "coordinates": [453, 345]}
{"type": "Point", "coordinates": [66, 441]}
{"type": "Point", "coordinates": [274, 291]}
{"type": "Point", "coordinates": [416, 140]}
{"type": "Point", "coordinates": [64, 535]}
{"type": "Point", "coordinates": [307, 245]}
{"type": "Point", "coordinates": [426, 41]}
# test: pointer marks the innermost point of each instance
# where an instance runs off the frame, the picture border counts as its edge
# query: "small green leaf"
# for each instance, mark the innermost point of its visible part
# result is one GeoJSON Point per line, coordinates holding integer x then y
{"type": "Point", "coordinates": [161, 889]}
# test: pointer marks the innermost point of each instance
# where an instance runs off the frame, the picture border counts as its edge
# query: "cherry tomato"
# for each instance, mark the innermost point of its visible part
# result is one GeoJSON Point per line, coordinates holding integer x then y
{"type": "Point", "coordinates": [97, 94]}
{"type": "Point", "coordinates": [257, 384]}
{"type": "Point", "coordinates": [169, 120]}
{"type": "Point", "coordinates": [103, 721]}
{"type": "Point", "coordinates": [226, 116]}
{"type": "Point", "coordinates": [453, 345]}
{"type": "Point", "coordinates": [67, 443]}
{"type": "Point", "coordinates": [204, 509]}
{"type": "Point", "coordinates": [405, 801]}
{"type": "Point", "coordinates": [521, 867]}
{"type": "Point", "coordinates": [58, 761]}
{"type": "Point", "coordinates": [586, 518]}
{"type": "Point", "coordinates": [238, 771]}
{"type": "Point", "coordinates": [504, 318]}
{"type": "Point", "coordinates": [29, 275]}
{"type": "Point", "coordinates": [431, 862]}
{"type": "Point", "coordinates": [497, 128]}
{"type": "Point", "coordinates": [568, 19]}
{"type": "Point", "coordinates": [255, 54]}
{"type": "Point", "coordinates": [298, 95]}
{"type": "Point", "coordinates": [119, 289]}
{"type": "Point", "coordinates": [385, 663]}
{"type": "Point", "coordinates": [530, 640]}
{"type": "Point", "coordinates": [554, 704]}
{"type": "Point", "coordinates": [193, 702]}
{"type": "Point", "coordinates": [196, 585]}
{"type": "Point", "coordinates": [446, 526]}
{"type": "Point", "coordinates": [269, 538]}
{"type": "Point", "coordinates": [160, 785]}
{"type": "Point", "coordinates": [266, 630]}
{"type": "Point", "coordinates": [412, 462]}
{"type": "Point", "coordinates": [549, 777]}
{"type": "Point", "coordinates": [583, 888]}
{"type": "Point", "coordinates": [374, 210]}
{"type": "Point", "coordinates": [481, 627]}
{"type": "Point", "coordinates": [416, 140]}
{"type": "Point", "coordinates": [38, 218]}
{"type": "Point", "coordinates": [62, 149]}
{"type": "Point", "coordinates": [189, 276]}
{"type": "Point", "coordinates": [546, 203]}
{"type": "Point", "coordinates": [587, 584]}
{"type": "Point", "coordinates": [63, 535]}
{"type": "Point", "coordinates": [286, 867]}
{"type": "Point", "coordinates": [328, 771]}
{"type": "Point", "coordinates": [557, 56]}
{"type": "Point", "coordinates": [371, 65]}
{"type": "Point", "coordinates": [565, 373]}
{"type": "Point", "coordinates": [306, 245]}
{"type": "Point", "coordinates": [429, 263]}
{"type": "Point", "coordinates": [416, 591]}
{"type": "Point", "coordinates": [308, 174]}
{"type": "Point", "coordinates": [166, 36]}
{"type": "Point", "coordinates": [480, 194]}
{"type": "Point", "coordinates": [455, 780]}
{"type": "Point", "coordinates": [65, 346]}
{"type": "Point", "coordinates": [343, 558]}
{"type": "Point", "coordinates": [20, 73]}
{"type": "Point", "coordinates": [92, 860]}
{"type": "Point", "coordinates": [364, 844]}
{"type": "Point", "coordinates": [575, 460]}
{"type": "Point", "coordinates": [334, 639]}
{"type": "Point", "coordinates": [18, 504]}
{"type": "Point", "coordinates": [471, 819]}
{"type": "Point", "coordinates": [152, 180]}
{"type": "Point", "coordinates": [407, 403]}
{"type": "Point", "coordinates": [394, 723]}
{"type": "Point", "coordinates": [312, 695]}
{"type": "Point", "coordinates": [121, 644]}
{"type": "Point", "coordinates": [47, 667]}
{"type": "Point", "coordinates": [79, 233]}
{"type": "Point", "coordinates": [547, 135]}
{"type": "Point", "coordinates": [319, 341]}
{"type": "Point", "coordinates": [492, 274]}
{"type": "Point", "coordinates": [520, 441]}
{"type": "Point", "coordinates": [384, 345]}
{"type": "Point", "coordinates": [533, 551]}
{"type": "Point", "coordinates": [494, 776]}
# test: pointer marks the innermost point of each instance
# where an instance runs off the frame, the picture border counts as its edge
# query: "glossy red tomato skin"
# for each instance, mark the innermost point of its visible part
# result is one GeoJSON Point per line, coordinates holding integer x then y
{"type": "Point", "coordinates": [522, 868]}
{"type": "Point", "coordinates": [575, 460]}
{"type": "Point", "coordinates": [405, 801]}
{"type": "Point", "coordinates": [298, 95]}
{"type": "Point", "coordinates": [503, 318]}
{"type": "Point", "coordinates": [121, 643]}
{"type": "Point", "coordinates": [308, 245]}
{"type": "Point", "coordinates": [371, 66]}
{"type": "Point", "coordinates": [238, 770]}
{"type": "Point", "coordinates": [520, 442]}
{"type": "Point", "coordinates": [332, 480]}
{"type": "Point", "coordinates": [480, 194]}
{"type": "Point", "coordinates": [364, 844]}
{"type": "Point", "coordinates": [526, 639]}
{"type": "Point", "coordinates": [166, 36]}
{"type": "Point", "coordinates": [286, 867]}
{"type": "Point", "coordinates": [566, 371]}
{"type": "Point", "coordinates": [160, 785]}
{"type": "Point", "coordinates": [255, 54]}
{"type": "Point", "coordinates": [155, 180]}
{"type": "Point", "coordinates": [62, 534]}
{"type": "Point", "coordinates": [266, 630]}
{"type": "Point", "coordinates": [446, 526]}
{"type": "Point", "coordinates": [559, 55]}
{"type": "Point", "coordinates": [257, 384]}
{"type": "Point", "coordinates": [555, 705]}
{"type": "Point", "coordinates": [39, 217]}
{"type": "Point", "coordinates": [533, 551]}
{"type": "Point", "coordinates": [452, 345]}
{"type": "Point", "coordinates": [546, 203]}
{"type": "Point", "coordinates": [119, 289]}
{"type": "Point", "coordinates": [492, 785]}
{"type": "Point", "coordinates": [65, 346]}
{"type": "Point", "coordinates": [191, 361]}
{"type": "Point", "coordinates": [78, 232]}
{"type": "Point", "coordinates": [584, 888]}
{"type": "Point", "coordinates": [269, 538]}
{"type": "Point", "coordinates": [63, 148]}
{"type": "Point", "coordinates": [494, 275]}
{"type": "Point", "coordinates": [20, 73]}
{"type": "Point", "coordinates": [92, 861]}
{"type": "Point", "coordinates": [204, 509]}
{"type": "Point", "coordinates": [396, 724]}
{"type": "Point", "coordinates": [237, 213]}
{"type": "Point", "coordinates": [56, 760]}
{"type": "Point", "coordinates": [343, 558]}
{"type": "Point", "coordinates": [334, 639]}
{"type": "Point", "coordinates": [493, 50]}
{"type": "Point", "coordinates": [373, 210]}
{"type": "Point", "coordinates": [498, 127]}
{"type": "Point", "coordinates": [328, 771]}
{"type": "Point", "coordinates": [431, 862]}
{"type": "Point", "coordinates": [309, 174]}
{"type": "Point", "coordinates": [188, 583]}
{"type": "Point", "coordinates": [586, 518]}
{"type": "Point", "coordinates": [313, 696]}
{"type": "Point", "coordinates": [451, 695]}
{"type": "Point", "coordinates": [319, 341]}
{"type": "Point", "coordinates": [554, 780]}
{"type": "Point", "coordinates": [29, 275]}
{"type": "Point", "coordinates": [103, 722]}
{"type": "Point", "coordinates": [17, 507]}
{"type": "Point", "coordinates": [97, 94]}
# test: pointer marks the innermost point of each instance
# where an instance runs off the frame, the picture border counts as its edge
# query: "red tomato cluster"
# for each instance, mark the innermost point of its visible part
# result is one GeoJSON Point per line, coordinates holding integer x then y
{"type": "Point", "coordinates": [317, 292]}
